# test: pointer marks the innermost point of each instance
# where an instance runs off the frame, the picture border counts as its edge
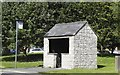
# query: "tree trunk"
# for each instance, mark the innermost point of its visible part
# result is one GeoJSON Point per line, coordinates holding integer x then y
{"type": "Point", "coordinates": [101, 48]}
{"type": "Point", "coordinates": [112, 50]}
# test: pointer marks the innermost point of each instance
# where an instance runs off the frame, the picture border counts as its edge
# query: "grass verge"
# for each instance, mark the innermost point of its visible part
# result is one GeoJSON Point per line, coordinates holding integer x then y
{"type": "Point", "coordinates": [32, 60]}
{"type": "Point", "coordinates": [20, 64]}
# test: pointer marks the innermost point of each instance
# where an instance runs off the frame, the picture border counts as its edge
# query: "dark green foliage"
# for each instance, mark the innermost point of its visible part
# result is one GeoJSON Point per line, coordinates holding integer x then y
{"type": "Point", "coordinates": [40, 17]}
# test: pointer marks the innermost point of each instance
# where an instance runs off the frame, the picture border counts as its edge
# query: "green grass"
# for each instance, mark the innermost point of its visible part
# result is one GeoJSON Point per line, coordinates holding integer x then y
{"type": "Point", "coordinates": [32, 60]}
{"type": "Point", "coordinates": [20, 64]}
{"type": "Point", "coordinates": [106, 65]}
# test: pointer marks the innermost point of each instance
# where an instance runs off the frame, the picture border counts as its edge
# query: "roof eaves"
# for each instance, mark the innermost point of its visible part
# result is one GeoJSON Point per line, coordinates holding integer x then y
{"type": "Point", "coordinates": [59, 36]}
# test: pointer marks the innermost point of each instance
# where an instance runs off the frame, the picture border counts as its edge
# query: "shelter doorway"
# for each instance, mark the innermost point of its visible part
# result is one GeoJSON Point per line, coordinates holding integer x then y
{"type": "Point", "coordinates": [58, 60]}
{"type": "Point", "coordinates": [59, 46]}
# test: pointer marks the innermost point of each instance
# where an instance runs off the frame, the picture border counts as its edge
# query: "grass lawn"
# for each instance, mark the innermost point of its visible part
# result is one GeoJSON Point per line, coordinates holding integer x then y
{"type": "Point", "coordinates": [20, 64]}
{"type": "Point", "coordinates": [32, 60]}
{"type": "Point", "coordinates": [106, 64]}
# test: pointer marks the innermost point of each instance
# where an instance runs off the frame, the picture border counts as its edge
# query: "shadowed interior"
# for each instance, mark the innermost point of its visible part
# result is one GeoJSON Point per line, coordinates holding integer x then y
{"type": "Point", "coordinates": [59, 45]}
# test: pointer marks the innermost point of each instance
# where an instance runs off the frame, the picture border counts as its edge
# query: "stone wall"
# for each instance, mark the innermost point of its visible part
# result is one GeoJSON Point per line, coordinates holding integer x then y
{"type": "Point", "coordinates": [117, 63]}
{"type": "Point", "coordinates": [68, 58]}
{"type": "Point", "coordinates": [67, 61]}
{"type": "Point", "coordinates": [49, 59]}
{"type": "Point", "coordinates": [85, 46]}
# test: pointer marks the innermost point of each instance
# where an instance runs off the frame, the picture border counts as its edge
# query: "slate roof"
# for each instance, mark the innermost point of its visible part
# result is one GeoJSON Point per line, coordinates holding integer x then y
{"type": "Point", "coordinates": [66, 29]}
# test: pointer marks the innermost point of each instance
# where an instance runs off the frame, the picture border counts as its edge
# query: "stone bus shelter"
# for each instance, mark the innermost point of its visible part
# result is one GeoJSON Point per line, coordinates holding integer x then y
{"type": "Point", "coordinates": [70, 45]}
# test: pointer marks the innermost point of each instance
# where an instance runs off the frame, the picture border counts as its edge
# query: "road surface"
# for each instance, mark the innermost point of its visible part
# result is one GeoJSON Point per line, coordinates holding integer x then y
{"type": "Point", "coordinates": [25, 71]}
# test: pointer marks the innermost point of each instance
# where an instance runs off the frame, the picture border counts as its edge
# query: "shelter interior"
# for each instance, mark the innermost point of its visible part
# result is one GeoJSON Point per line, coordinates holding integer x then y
{"type": "Point", "coordinates": [59, 45]}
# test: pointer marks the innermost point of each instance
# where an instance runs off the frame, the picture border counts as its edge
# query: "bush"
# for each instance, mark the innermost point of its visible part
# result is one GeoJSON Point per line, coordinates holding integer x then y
{"type": "Point", "coordinates": [6, 51]}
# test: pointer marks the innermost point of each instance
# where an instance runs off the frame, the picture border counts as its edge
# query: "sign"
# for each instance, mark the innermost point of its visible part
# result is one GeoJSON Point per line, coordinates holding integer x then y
{"type": "Point", "coordinates": [19, 23]}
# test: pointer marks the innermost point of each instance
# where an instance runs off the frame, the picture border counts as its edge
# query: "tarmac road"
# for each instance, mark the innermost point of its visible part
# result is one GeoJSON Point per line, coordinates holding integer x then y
{"type": "Point", "coordinates": [20, 74]}
{"type": "Point", "coordinates": [25, 71]}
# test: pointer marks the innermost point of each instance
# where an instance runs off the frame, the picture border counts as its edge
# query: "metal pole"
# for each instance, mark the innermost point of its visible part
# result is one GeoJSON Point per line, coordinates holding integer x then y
{"type": "Point", "coordinates": [16, 45]}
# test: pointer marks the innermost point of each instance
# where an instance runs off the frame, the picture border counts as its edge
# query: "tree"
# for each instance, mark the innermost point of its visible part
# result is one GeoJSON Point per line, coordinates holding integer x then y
{"type": "Point", "coordinates": [115, 35]}
{"type": "Point", "coordinates": [40, 17]}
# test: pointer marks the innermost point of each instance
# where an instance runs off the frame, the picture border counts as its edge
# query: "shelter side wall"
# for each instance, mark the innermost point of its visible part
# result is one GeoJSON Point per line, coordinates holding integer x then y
{"type": "Point", "coordinates": [49, 59]}
{"type": "Point", "coordinates": [85, 48]}
{"type": "Point", "coordinates": [68, 58]}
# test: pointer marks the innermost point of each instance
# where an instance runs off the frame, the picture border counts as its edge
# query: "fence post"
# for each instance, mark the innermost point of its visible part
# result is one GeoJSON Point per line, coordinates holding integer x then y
{"type": "Point", "coordinates": [117, 62]}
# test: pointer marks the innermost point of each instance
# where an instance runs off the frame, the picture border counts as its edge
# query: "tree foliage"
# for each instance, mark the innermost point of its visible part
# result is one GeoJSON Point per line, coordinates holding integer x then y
{"type": "Point", "coordinates": [40, 17]}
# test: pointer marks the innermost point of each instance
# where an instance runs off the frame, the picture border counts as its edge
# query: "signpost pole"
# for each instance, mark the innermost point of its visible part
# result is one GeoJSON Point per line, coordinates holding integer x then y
{"type": "Point", "coordinates": [19, 25]}
{"type": "Point", "coordinates": [16, 45]}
